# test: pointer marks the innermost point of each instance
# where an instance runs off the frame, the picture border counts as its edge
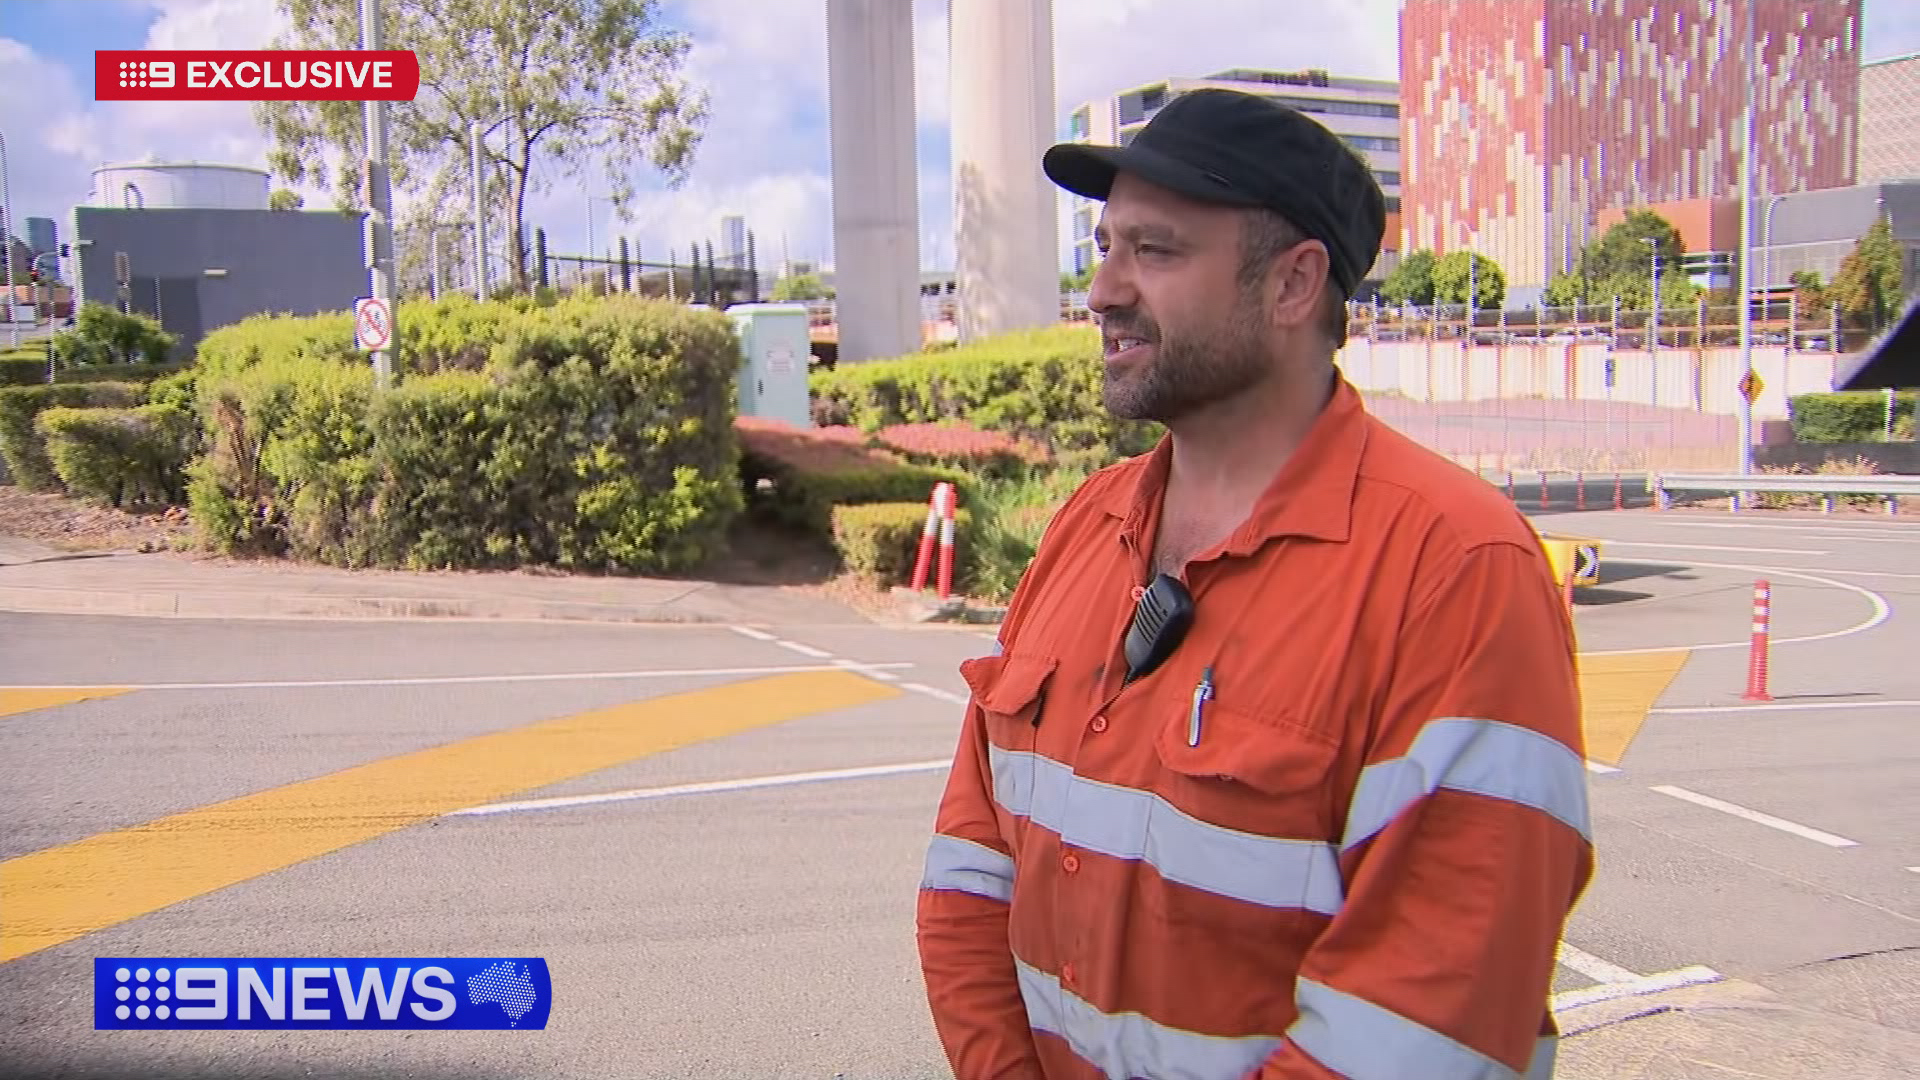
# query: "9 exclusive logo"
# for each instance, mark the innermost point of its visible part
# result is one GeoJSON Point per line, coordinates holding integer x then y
{"type": "Point", "coordinates": [255, 75]}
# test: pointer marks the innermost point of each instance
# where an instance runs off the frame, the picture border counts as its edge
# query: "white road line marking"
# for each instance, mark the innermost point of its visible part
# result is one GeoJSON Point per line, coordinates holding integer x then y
{"type": "Point", "coordinates": [1600, 971]}
{"type": "Point", "coordinates": [748, 631]}
{"type": "Point", "coordinates": [804, 650]}
{"type": "Point", "coordinates": [750, 783]}
{"type": "Point", "coordinates": [1757, 817]}
{"type": "Point", "coordinates": [934, 692]}
{"type": "Point", "coordinates": [456, 680]}
{"type": "Point", "coordinates": [1784, 705]}
{"type": "Point", "coordinates": [1882, 611]}
{"type": "Point", "coordinates": [1882, 529]}
{"type": "Point", "coordinates": [1652, 984]}
{"type": "Point", "coordinates": [1596, 767]}
{"type": "Point", "coordinates": [868, 670]}
{"type": "Point", "coordinates": [1712, 547]}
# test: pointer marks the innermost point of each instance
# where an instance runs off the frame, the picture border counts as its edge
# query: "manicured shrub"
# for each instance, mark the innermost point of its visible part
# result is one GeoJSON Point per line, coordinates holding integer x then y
{"type": "Point", "coordinates": [21, 441]}
{"type": "Point", "coordinates": [1041, 386]}
{"type": "Point", "coordinates": [127, 457]}
{"type": "Point", "coordinates": [878, 542]}
{"type": "Point", "coordinates": [1851, 415]}
{"type": "Point", "coordinates": [583, 433]}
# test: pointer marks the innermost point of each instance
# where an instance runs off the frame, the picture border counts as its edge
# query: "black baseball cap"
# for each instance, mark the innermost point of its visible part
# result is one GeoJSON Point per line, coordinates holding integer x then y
{"type": "Point", "coordinates": [1241, 149]}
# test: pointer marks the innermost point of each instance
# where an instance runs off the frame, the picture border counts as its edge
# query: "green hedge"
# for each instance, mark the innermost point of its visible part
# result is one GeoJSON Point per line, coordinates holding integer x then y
{"type": "Point", "coordinates": [23, 367]}
{"type": "Point", "coordinates": [21, 441]}
{"type": "Point", "coordinates": [879, 542]}
{"type": "Point", "coordinates": [1851, 416]}
{"type": "Point", "coordinates": [586, 433]}
{"type": "Point", "coordinates": [120, 456]}
{"type": "Point", "coordinates": [1043, 386]}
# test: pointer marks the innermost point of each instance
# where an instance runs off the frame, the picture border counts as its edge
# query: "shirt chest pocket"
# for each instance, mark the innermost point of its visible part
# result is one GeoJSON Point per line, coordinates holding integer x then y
{"type": "Point", "coordinates": [1010, 691]}
{"type": "Point", "coordinates": [1245, 828]}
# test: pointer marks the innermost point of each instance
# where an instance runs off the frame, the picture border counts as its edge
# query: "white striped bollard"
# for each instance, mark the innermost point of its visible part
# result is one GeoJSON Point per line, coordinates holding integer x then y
{"type": "Point", "coordinates": [1757, 652]}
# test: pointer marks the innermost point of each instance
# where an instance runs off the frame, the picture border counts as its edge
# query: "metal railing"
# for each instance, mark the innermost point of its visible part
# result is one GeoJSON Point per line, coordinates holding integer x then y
{"type": "Point", "coordinates": [1891, 487]}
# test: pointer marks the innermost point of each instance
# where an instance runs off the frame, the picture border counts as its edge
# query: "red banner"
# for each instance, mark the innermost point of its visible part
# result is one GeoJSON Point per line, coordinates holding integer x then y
{"type": "Point", "coordinates": [255, 75]}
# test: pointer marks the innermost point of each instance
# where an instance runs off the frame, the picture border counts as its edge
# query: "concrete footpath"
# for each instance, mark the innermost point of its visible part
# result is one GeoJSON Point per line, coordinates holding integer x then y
{"type": "Point", "coordinates": [36, 578]}
{"type": "Point", "coordinates": [1853, 1019]}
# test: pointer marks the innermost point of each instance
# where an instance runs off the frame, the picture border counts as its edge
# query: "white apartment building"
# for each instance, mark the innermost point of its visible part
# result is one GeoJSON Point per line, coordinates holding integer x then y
{"type": "Point", "coordinates": [1364, 112]}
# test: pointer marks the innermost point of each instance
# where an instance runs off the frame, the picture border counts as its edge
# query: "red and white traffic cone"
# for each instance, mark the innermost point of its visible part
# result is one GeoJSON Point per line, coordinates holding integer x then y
{"type": "Point", "coordinates": [923, 561]}
{"type": "Point", "coordinates": [1619, 497]}
{"type": "Point", "coordinates": [1757, 653]}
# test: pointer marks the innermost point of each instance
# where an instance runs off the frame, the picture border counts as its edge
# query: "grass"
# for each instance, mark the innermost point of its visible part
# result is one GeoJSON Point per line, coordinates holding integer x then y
{"type": "Point", "coordinates": [1010, 516]}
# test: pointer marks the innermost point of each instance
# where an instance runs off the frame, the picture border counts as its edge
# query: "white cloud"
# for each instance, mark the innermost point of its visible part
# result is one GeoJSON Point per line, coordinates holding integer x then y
{"type": "Point", "coordinates": [765, 152]}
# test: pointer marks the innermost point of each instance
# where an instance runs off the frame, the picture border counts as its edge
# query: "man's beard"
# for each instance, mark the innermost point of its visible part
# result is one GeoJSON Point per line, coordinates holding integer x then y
{"type": "Point", "coordinates": [1189, 369]}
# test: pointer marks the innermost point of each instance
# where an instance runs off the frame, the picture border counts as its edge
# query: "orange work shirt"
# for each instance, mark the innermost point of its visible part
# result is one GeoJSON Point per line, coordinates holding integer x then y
{"type": "Point", "coordinates": [1362, 867]}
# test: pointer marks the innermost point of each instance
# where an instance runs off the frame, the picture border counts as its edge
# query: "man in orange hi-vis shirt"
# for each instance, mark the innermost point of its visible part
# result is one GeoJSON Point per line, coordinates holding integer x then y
{"type": "Point", "coordinates": [1276, 771]}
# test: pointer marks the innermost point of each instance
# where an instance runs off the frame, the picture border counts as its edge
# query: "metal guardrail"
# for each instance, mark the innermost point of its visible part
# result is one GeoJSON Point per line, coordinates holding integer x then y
{"type": "Point", "coordinates": [1890, 486]}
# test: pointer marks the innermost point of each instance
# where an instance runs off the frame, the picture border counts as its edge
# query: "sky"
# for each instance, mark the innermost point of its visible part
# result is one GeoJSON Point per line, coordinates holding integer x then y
{"type": "Point", "coordinates": [765, 152]}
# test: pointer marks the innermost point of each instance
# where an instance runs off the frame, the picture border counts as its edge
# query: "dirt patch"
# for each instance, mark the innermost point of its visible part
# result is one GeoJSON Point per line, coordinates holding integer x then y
{"type": "Point", "coordinates": [69, 524]}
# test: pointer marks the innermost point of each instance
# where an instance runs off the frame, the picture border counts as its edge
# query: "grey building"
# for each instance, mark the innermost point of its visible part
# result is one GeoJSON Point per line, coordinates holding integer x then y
{"type": "Point", "coordinates": [42, 235]}
{"type": "Point", "coordinates": [199, 269]}
{"type": "Point", "coordinates": [1817, 230]}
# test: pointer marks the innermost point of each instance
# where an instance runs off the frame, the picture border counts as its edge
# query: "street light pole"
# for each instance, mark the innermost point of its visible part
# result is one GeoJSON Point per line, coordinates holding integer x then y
{"type": "Point", "coordinates": [1653, 306]}
{"type": "Point", "coordinates": [379, 203]}
{"type": "Point", "coordinates": [1746, 240]}
{"type": "Point", "coordinates": [6, 241]}
{"type": "Point", "coordinates": [479, 216]}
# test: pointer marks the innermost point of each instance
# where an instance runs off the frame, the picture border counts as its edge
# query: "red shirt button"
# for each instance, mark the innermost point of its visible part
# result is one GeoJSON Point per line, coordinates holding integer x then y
{"type": "Point", "coordinates": [1070, 863]}
{"type": "Point", "coordinates": [1099, 723]}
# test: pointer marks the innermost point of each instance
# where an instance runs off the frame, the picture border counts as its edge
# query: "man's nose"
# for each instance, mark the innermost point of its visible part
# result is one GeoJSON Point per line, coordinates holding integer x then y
{"type": "Point", "coordinates": [1112, 286]}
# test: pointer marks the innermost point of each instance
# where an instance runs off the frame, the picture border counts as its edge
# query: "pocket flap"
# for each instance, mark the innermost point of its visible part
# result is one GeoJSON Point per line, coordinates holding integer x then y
{"type": "Point", "coordinates": [1270, 755]}
{"type": "Point", "coordinates": [1007, 683]}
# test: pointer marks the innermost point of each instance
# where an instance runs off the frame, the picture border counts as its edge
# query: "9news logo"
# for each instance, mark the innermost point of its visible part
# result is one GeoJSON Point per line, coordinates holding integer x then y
{"type": "Point", "coordinates": [316, 994]}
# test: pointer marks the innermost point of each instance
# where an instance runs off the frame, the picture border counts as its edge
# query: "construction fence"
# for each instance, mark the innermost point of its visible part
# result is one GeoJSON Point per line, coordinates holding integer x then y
{"type": "Point", "coordinates": [1578, 392]}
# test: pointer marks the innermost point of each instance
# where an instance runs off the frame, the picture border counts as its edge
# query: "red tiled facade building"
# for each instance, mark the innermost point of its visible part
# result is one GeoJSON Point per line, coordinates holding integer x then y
{"type": "Point", "coordinates": [1521, 120]}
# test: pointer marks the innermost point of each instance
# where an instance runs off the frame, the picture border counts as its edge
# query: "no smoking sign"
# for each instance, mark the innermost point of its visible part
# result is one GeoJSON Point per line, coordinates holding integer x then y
{"type": "Point", "coordinates": [372, 324]}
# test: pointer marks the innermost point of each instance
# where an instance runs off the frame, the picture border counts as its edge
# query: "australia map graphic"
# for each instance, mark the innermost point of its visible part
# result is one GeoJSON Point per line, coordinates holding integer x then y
{"type": "Point", "coordinates": [506, 984]}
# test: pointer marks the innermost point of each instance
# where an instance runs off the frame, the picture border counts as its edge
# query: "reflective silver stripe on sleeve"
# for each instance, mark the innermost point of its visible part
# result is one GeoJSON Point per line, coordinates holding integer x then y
{"type": "Point", "coordinates": [1128, 1044]}
{"type": "Point", "coordinates": [1363, 1041]}
{"type": "Point", "coordinates": [1127, 823]}
{"type": "Point", "coordinates": [1485, 757]}
{"type": "Point", "coordinates": [1544, 1053]}
{"type": "Point", "coordinates": [964, 866]}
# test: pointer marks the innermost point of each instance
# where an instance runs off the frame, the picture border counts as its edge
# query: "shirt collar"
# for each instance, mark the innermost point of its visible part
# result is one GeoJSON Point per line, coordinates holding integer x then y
{"type": "Point", "coordinates": [1311, 495]}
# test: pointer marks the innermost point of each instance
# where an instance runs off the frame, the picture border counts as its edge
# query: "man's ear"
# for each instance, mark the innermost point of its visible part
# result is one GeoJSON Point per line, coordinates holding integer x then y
{"type": "Point", "coordinates": [1298, 280]}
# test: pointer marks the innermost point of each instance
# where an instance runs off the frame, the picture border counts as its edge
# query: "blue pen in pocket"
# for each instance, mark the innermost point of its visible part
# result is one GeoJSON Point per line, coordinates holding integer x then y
{"type": "Point", "coordinates": [1201, 694]}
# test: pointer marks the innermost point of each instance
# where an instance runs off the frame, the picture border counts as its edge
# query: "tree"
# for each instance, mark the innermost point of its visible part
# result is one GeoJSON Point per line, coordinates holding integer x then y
{"type": "Point", "coordinates": [800, 288]}
{"type": "Point", "coordinates": [1619, 264]}
{"type": "Point", "coordinates": [556, 88]}
{"type": "Point", "coordinates": [1411, 282]}
{"type": "Point", "coordinates": [1809, 295]}
{"type": "Point", "coordinates": [285, 199]}
{"type": "Point", "coordinates": [1867, 286]}
{"type": "Point", "coordinates": [1079, 281]}
{"type": "Point", "coordinates": [1459, 271]}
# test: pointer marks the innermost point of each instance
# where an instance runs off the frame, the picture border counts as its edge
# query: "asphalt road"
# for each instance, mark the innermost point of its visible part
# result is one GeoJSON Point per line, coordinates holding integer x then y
{"type": "Point", "coordinates": [385, 789]}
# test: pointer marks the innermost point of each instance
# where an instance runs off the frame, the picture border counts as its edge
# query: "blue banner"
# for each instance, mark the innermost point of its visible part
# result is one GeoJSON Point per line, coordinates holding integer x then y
{"type": "Point", "coordinates": [321, 993]}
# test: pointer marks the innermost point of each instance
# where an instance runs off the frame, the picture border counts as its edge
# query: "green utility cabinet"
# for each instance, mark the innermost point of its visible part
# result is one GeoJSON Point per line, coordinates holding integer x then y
{"type": "Point", "coordinates": [777, 347]}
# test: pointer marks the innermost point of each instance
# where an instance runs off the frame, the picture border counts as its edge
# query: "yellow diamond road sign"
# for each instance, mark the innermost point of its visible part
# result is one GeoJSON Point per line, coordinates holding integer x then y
{"type": "Point", "coordinates": [1750, 385]}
